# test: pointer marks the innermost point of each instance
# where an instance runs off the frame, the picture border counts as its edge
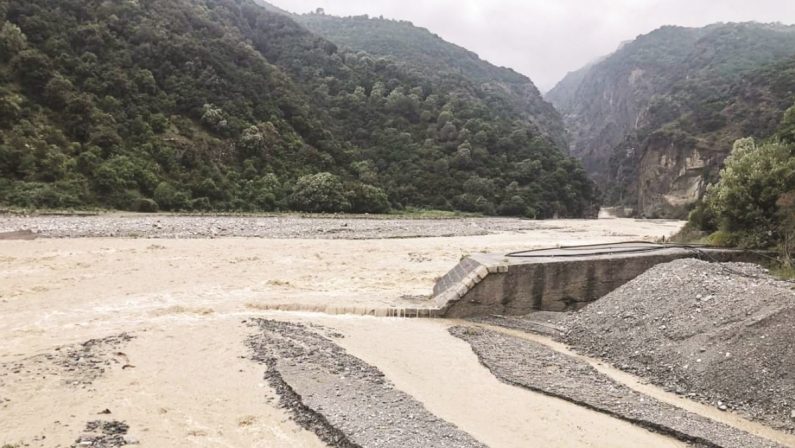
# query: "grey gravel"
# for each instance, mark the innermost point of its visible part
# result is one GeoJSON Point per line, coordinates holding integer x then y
{"type": "Point", "coordinates": [547, 323]}
{"type": "Point", "coordinates": [79, 365]}
{"type": "Point", "coordinates": [104, 434]}
{"type": "Point", "coordinates": [539, 368]}
{"type": "Point", "coordinates": [282, 226]}
{"type": "Point", "coordinates": [345, 401]}
{"type": "Point", "coordinates": [723, 334]}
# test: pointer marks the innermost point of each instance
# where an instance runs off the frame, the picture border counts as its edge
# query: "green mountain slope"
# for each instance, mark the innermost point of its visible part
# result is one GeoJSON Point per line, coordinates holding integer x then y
{"type": "Point", "coordinates": [419, 51]}
{"type": "Point", "coordinates": [655, 120]}
{"type": "Point", "coordinates": [225, 105]}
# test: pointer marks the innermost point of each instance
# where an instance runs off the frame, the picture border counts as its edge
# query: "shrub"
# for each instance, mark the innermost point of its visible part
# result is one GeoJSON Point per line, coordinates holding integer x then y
{"type": "Point", "coordinates": [722, 238]}
{"type": "Point", "coordinates": [367, 199]}
{"type": "Point", "coordinates": [202, 204]}
{"type": "Point", "coordinates": [513, 206]}
{"type": "Point", "coordinates": [145, 205]}
{"type": "Point", "coordinates": [261, 193]}
{"type": "Point", "coordinates": [471, 203]}
{"type": "Point", "coordinates": [114, 175]}
{"type": "Point", "coordinates": [318, 193]}
{"type": "Point", "coordinates": [46, 195]}
{"type": "Point", "coordinates": [169, 198]}
{"type": "Point", "coordinates": [745, 200]}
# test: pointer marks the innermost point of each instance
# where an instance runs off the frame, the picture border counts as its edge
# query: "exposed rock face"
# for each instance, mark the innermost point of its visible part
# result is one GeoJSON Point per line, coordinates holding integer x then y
{"type": "Point", "coordinates": [670, 177]}
{"type": "Point", "coordinates": [654, 121]}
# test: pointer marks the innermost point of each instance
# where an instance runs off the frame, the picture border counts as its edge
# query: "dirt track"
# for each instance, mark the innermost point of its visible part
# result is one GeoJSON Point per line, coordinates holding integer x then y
{"type": "Point", "coordinates": [189, 380]}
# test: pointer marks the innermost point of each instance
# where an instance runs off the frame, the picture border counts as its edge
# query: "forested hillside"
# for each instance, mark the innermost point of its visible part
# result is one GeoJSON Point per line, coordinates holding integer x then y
{"type": "Point", "coordinates": [654, 121]}
{"type": "Point", "coordinates": [419, 51]}
{"type": "Point", "coordinates": [225, 105]}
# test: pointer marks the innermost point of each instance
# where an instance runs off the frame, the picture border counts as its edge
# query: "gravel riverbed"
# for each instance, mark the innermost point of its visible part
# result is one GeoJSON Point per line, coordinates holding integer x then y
{"type": "Point", "coordinates": [185, 227]}
{"type": "Point", "coordinates": [534, 366]}
{"type": "Point", "coordinates": [345, 401]}
{"type": "Point", "coordinates": [336, 227]}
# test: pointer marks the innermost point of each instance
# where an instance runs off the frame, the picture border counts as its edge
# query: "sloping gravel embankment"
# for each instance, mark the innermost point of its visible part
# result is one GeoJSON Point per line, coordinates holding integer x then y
{"type": "Point", "coordinates": [723, 334]}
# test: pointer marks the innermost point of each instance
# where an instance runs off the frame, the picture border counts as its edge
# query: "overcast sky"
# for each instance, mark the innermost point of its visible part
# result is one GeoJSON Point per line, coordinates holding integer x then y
{"type": "Point", "coordinates": [545, 39]}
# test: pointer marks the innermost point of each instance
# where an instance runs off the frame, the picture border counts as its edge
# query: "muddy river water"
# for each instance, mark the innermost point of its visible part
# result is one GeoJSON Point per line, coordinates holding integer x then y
{"type": "Point", "coordinates": [185, 378]}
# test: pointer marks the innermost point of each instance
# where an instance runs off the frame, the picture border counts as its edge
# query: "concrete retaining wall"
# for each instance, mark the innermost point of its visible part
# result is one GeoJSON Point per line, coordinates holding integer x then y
{"type": "Point", "coordinates": [486, 284]}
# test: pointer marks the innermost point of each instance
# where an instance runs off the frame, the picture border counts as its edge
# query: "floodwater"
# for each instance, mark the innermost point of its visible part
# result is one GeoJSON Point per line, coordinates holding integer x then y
{"type": "Point", "coordinates": [190, 383]}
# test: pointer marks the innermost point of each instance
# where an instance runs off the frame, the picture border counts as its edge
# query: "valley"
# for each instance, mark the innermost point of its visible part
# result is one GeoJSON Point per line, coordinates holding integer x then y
{"type": "Point", "coordinates": [229, 223]}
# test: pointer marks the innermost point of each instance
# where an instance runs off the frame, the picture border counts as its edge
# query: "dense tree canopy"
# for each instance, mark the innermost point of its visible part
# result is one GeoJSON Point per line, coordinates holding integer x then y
{"type": "Point", "coordinates": [224, 105]}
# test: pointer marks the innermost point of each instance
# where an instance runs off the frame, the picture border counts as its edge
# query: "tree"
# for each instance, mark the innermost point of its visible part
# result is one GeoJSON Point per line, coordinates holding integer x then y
{"type": "Point", "coordinates": [33, 69]}
{"type": "Point", "coordinates": [12, 41]}
{"type": "Point", "coordinates": [744, 202]}
{"type": "Point", "coordinates": [10, 108]}
{"type": "Point", "coordinates": [58, 91]}
{"type": "Point", "coordinates": [786, 130]}
{"type": "Point", "coordinates": [169, 198]}
{"type": "Point", "coordinates": [367, 199]}
{"type": "Point", "coordinates": [213, 117]}
{"type": "Point", "coordinates": [318, 193]}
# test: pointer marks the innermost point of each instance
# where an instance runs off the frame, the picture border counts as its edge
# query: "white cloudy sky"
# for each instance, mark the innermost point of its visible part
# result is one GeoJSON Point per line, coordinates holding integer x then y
{"type": "Point", "coordinates": [545, 39]}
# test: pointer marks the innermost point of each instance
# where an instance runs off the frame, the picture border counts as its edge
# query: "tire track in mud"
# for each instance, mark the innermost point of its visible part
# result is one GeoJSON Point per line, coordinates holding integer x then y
{"type": "Point", "coordinates": [345, 401]}
{"type": "Point", "coordinates": [533, 366]}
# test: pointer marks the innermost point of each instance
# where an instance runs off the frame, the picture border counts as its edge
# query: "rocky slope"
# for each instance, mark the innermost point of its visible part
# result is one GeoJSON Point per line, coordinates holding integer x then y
{"type": "Point", "coordinates": [654, 120]}
{"type": "Point", "coordinates": [724, 338]}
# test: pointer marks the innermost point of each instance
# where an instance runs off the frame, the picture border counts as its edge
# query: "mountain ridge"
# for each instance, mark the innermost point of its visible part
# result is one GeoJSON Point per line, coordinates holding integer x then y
{"type": "Point", "coordinates": [654, 120]}
{"type": "Point", "coordinates": [418, 49]}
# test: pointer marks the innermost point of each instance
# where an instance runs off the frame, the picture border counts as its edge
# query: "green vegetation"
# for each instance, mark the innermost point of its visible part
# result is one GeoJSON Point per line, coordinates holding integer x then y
{"type": "Point", "coordinates": [753, 203]}
{"type": "Point", "coordinates": [658, 117]}
{"type": "Point", "coordinates": [223, 105]}
{"type": "Point", "coordinates": [733, 81]}
{"type": "Point", "coordinates": [419, 51]}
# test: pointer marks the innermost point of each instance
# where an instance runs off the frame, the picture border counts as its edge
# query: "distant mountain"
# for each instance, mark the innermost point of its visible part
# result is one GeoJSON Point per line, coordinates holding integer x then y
{"type": "Point", "coordinates": [427, 55]}
{"type": "Point", "coordinates": [654, 120]}
{"type": "Point", "coordinates": [229, 105]}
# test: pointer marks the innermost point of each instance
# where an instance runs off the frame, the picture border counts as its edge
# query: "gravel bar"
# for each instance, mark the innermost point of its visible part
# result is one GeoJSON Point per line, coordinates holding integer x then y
{"type": "Point", "coordinates": [186, 227]}
{"type": "Point", "coordinates": [536, 367]}
{"type": "Point", "coordinates": [345, 401]}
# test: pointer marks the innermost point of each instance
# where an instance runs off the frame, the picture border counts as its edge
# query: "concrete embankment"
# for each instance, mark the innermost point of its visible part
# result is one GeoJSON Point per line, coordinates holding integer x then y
{"type": "Point", "coordinates": [558, 279]}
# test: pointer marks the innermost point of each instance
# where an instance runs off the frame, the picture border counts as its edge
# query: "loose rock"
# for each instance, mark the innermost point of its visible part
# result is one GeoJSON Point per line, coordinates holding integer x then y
{"type": "Point", "coordinates": [738, 350]}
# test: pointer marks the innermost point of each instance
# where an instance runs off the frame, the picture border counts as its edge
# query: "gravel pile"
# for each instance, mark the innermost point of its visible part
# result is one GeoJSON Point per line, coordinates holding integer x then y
{"type": "Point", "coordinates": [345, 401]}
{"type": "Point", "coordinates": [105, 434]}
{"type": "Point", "coordinates": [539, 368]}
{"type": "Point", "coordinates": [78, 365]}
{"type": "Point", "coordinates": [166, 226]}
{"type": "Point", "coordinates": [723, 334]}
